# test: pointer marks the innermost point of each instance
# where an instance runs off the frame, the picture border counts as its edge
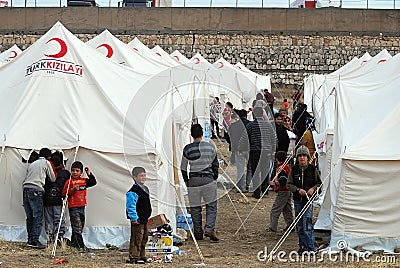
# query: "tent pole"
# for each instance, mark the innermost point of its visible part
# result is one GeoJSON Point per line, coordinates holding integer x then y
{"type": "Point", "coordinates": [174, 163]}
{"type": "Point", "coordinates": [53, 251]}
{"type": "Point", "coordinates": [3, 147]}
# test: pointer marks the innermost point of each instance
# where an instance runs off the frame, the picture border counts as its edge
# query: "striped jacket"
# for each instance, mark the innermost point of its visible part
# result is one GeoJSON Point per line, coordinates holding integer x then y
{"type": "Point", "coordinates": [261, 136]}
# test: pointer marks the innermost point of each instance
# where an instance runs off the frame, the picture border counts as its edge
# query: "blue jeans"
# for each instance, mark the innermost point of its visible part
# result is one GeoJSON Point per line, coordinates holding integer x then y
{"type": "Point", "coordinates": [305, 227]}
{"type": "Point", "coordinates": [52, 216]}
{"type": "Point", "coordinates": [33, 205]}
{"type": "Point", "coordinates": [77, 217]}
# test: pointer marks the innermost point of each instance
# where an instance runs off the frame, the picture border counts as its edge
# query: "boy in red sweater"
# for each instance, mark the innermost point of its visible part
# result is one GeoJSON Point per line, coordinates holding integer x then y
{"type": "Point", "coordinates": [75, 187]}
{"type": "Point", "coordinates": [283, 201]}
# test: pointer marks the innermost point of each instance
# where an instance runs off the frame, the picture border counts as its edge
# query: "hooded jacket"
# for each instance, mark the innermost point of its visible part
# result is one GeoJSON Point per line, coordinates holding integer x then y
{"type": "Point", "coordinates": [303, 178]}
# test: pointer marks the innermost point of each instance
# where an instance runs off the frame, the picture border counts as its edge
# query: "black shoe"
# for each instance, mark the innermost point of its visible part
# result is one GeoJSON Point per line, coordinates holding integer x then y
{"type": "Point", "coordinates": [135, 261]}
{"type": "Point", "coordinates": [198, 236]}
{"type": "Point", "coordinates": [301, 251]}
{"type": "Point", "coordinates": [269, 230]}
{"type": "Point", "coordinates": [36, 245]}
{"type": "Point", "coordinates": [131, 260]}
{"type": "Point", "coordinates": [212, 235]}
{"type": "Point", "coordinates": [144, 259]}
{"type": "Point", "coordinates": [256, 196]}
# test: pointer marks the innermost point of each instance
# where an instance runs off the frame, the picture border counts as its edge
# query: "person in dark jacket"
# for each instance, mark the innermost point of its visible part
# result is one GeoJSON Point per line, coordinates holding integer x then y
{"type": "Point", "coordinates": [138, 211]}
{"type": "Point", "coordinates": [303, 181]}
{"type": "Point", "coordinates": [281, 133]}
{"type": "Point", "coordinates": [241, 154]}
{"type": "Point", "coordinates": [201, 181]}
{"type": "Point", "coordinates": [53, 200]}
{"type": "Point", "coordinates": [299, 119]}
{"type": "Point", "coordinates": [261, 139]}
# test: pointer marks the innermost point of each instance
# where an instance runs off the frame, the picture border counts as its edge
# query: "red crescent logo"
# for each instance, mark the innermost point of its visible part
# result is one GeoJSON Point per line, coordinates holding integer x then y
{"type": "Point", "coordinates": [136, 49]}
{"type": "Point", "coordinates": [14, 54]}
{"type": "Point", "coordinates": [177, 58]}
{"type": "Point", "coordinates": [238, 67]}
{"type": "Point", "coordinates": [158, 54]}
{"type": "Point", "coordinates": [110, 51]}
{"type": "Point", "coordinates": [221, 64]}
{"type": "Point", "coordinates": [63, 50]}
{"type": "Point", "coordinates": [363, 62]}
{"type": "Point", "coordinates": [197, 60]}
{"type": "Point", "coordinates": [381, 61]}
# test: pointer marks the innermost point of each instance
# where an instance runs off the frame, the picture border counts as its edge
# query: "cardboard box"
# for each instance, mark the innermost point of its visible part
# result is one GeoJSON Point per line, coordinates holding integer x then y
{"type": "Point", "coordinates": [159, 244]}
{"type": "Point", "coordinates": [157, 221]}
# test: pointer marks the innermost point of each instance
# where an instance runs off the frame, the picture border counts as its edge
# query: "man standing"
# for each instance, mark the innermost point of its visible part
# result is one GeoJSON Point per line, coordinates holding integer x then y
{"type": "Point", "coordinates": [303, 180]}
{"type": "Point", "coordinates": [201, 182]}
{"type": "Point", "coordinates": [270, 99]}
{"type": "Point", "coordinates": [281, 133]}
{"type": "Point", "coordinates": [261, 137]}
{"type": "Point", "coordinates": [215, 112]}
{"type": "Point", "coordinates": [299, 120]}
{"type": "Point", "coordinates": [241, 154]}
{"type": "Point", "coordinates": [33, 190]}
{"type": "Point", "coordinates": [53, 200]}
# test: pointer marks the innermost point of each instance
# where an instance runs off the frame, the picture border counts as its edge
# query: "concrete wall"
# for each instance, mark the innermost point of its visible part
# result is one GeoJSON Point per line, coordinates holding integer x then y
{"type": "Point", "coordinates": [178, 20]}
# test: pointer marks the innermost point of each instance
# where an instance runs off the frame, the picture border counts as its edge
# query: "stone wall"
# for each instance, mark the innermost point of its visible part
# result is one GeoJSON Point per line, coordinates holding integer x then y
{"type": "Point", "coordinates": [287, 58]}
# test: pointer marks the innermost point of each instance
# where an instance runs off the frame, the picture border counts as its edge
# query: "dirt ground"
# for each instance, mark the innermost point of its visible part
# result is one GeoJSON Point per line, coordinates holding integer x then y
{"type": "Point", "coordinates": [233, 250]}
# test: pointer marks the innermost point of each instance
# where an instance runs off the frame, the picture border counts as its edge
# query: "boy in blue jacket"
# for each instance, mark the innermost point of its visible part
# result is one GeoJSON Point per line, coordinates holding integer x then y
{"type": "Point", "coordinates": [138, 211]}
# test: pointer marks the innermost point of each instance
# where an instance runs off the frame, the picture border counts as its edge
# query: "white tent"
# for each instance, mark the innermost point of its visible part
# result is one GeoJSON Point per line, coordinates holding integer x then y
{"type": "Point", "coordinates": [119, 52]}
{"type": "Point", "coordinates": [153, 61]}
{"type": "Point", "coordinates": [9, 54]}
{"type": "Point", "coordinates": [141, 48]}
{"type": "Point", "coordinates": [62, 94]}
{"type": "Point", "coordinates": [319, 95]}
{"type": "Point", "coordinates": [261, 81]}
{"type": "Point", "coordinates": [360, 205]}
{"type": "Point", "coordinates": [198, 58]}
{"type": "Point", "coordinates": [367, 159]}
{"type": "Point", "coordinates": [179, 57]}
{"type": "Point", "coordinates": [164, 55]}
